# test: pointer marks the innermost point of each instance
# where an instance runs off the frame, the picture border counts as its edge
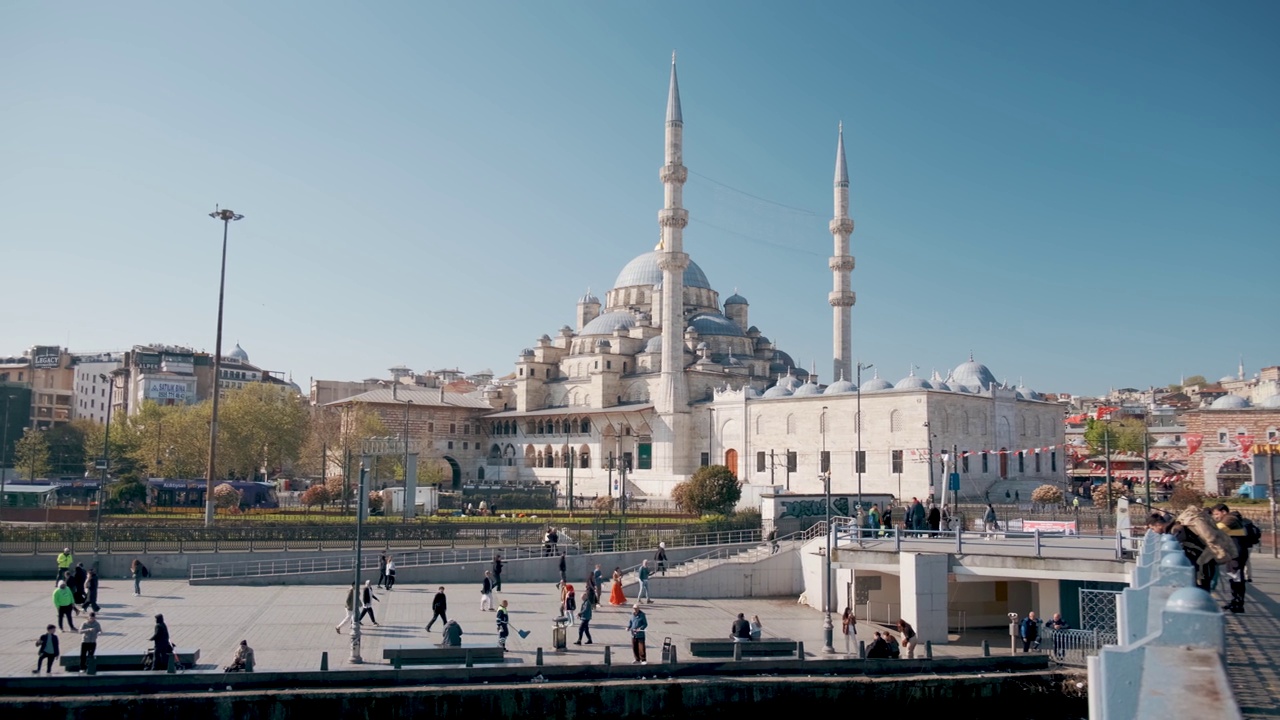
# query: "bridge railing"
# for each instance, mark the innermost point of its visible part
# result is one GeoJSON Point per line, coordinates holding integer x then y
{"type": "Point", "coordinates": [1171, 658]}
{"type": "Point", "coordinates": [974, 542]}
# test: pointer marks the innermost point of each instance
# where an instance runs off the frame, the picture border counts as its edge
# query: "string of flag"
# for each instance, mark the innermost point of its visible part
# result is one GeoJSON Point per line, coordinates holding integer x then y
{"type": "Point", "coordinates": [922, 455]}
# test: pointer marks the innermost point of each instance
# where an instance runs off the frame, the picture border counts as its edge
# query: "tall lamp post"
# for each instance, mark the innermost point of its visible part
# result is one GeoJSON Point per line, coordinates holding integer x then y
{"type": "Point", "coordinates": [4, 448]}
{"type": "Point", "coordinates": [857, 458]}
{"type": "Point", "coordinates": [226, 216]}
{"type": "Point", "coordinates": [827, 628]}
{"type": "Point", "coordinates": [362, 500]}
{"type": "Point", "coordinates": [409, 502]}
{"type": "Point", "coordinates": [106, 455]}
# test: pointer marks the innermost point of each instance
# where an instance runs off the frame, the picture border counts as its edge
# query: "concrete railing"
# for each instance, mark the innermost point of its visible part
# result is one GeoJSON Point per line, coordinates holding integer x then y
{"type": "Point", "coordinates": [1171, 659]}
{"type": "Point", "coordinates": [1033, 543]}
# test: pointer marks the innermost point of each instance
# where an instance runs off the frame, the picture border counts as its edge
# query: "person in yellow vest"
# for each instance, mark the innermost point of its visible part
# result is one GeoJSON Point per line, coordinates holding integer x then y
{"type": "Point", "coordinates": [65, 561]}
{"type": "Point", "coordinates": [64, 602]}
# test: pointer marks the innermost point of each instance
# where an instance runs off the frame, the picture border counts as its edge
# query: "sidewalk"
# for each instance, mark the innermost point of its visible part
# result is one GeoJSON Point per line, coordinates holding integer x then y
{"type": "Point", "coordinates": [1253, 642]}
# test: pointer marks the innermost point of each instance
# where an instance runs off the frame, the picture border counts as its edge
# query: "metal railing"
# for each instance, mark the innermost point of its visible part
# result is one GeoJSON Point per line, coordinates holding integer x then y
{"type": "Point", "coordinates": [737, 554]}
{"type": "Point", "coordinates": [1035, 542]}
{"type": "Point", "coordinates": [1071, 647]}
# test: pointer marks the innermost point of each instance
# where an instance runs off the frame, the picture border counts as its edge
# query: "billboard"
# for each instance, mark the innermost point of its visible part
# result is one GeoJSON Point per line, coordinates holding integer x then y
{"type": "Point", "coordinates": [46, 356]}
{"type": "Point", "coordinates": [169, 391]}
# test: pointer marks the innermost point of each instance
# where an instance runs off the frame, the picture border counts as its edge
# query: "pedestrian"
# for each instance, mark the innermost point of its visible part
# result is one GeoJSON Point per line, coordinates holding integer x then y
{"type": "Point", "coordinates": [644, 583]}
{"type": "Point", "coordinates": [989, 520]}
{"type": "Point", "coordinates": [1018, 499]}
{"type": "Point", "coordinates": [916, 517]}
{"type": "Point", "coordinates": [895, 650]}
{"type": "Point", "coordinates": [78, 578]}
{"type": "Point", "coordinates": [162, 649]}
{"type": "Point", "coordinates": [64, 602]}
{"type": "Point", "coordinates": [873, 519]}
{"type": "Point", "coordinates": [616, 596]}
{"type": "Point", "coordinates": [89, 631]}
{"type": "Point", "coordinates": [562, 571]}
{"type": "Point", "coordinates": [554, 538]}
{"type": "Point", "coordinates": [591, 594]}
{"type": "Point", "coordinates": [1233, 524]}
{"type": "Point", "coordinates": [452, 634]}
{"type": "Point", "coordinates": [740, 631]}
{"type": "Point", "coordinates": [584, 620]}
{"type": "Point", "coordinates": [1057, 631]}
{"type": "Point", "coordinates": [391, 573]}
{"type": "Point", "coordinates": [91, 591]}
{"type": "Point", "coordinates": [486, 593]}
{"type": "Point", "coordinates": [497, 572]}
{"type": "Point", "coordinates": [349, 615]}
{"type": "Point", "coordinates": [569, 604]}
{"type": "Point", "coordinates": [1029, 631]}
{"type": "Point", "coordinates": [1194, 548]}
{"type": "Point", "coordinates": [47, 647]}
{"type": "Point", "coordinates": [382, 569]}
{"type": "Point", "coordinates": [367, 599]}
{"type": "Point", "coordinates": [886, 519]}
{"type": "Point", "coordinates": [661, 557]}
{"type": "Point", "coordinates": [772, 537]}
{"type": "Point", "coordinates": [504, 625]}
{"type": "Point", "coordinates": [879, 647]}
{"type": "Point", "coordinates": [242, 661]}
{"type": "Point", "coordinates": [935, 520]}
{"type": "Point", "coordinates": [908, 638]}
{"type": "Point", "coordinates": [439, 609]}
{"type": "Point", "coordinates": [65, 561]}
{"type": "Point", "coordinates": [1075, 504]}
{"type": "Point", "coordinates": [138, 571]}
{"type": "Point", "coordinates": [757, 628]}
{"type": "Point", "coordinates": [849, 627]}
{"type": "Point", "coordinates": [636, 626]}
{"type": "Point", "coordinates": [599, 578]}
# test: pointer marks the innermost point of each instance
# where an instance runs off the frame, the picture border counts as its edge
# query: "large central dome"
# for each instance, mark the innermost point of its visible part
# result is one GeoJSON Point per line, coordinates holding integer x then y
{"type": "Point", "coordinates": [644, 270]}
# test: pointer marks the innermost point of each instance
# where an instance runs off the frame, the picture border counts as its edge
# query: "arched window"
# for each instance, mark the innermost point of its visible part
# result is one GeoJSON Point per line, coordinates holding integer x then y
{"type": "Point", "coordinates": [967, 423]}
{"type": "Point", "coordinates": [584, 457]}
{"type": "Point", "coordinates": [759, 424]}
{"type": "Point", "coordinates": [895, 421]}
{"type": "Point", "coordinates": [1022, 425]}
{"type": "Point", "coordinates": [1036, 418]}
{"type": "Point", "coordinates": [791, 424]}
{"type": "Point", "coordinates": [586, 426]}
{"type": "Point", "coordinates": [480, 473]}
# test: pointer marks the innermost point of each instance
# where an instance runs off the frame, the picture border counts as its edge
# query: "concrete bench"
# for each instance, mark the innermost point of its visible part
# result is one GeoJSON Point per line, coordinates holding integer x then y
{"type": "Point", "coordinates": [431, 654]}
{"type": "Point", "coordinates": [714, 647]}
{"type": "Point", "coordinates": [130, 659]}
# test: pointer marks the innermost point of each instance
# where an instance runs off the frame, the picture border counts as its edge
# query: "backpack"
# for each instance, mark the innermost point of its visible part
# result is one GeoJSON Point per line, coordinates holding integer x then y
{"type": "Point", "coordinates": [143, 571]}
{"type": "Point", "coordinates": [1252, 534]}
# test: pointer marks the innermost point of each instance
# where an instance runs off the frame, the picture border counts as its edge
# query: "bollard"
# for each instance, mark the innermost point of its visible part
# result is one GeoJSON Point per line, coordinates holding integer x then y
{"type": "Point", "coordinates": [862, 649]}
{"type": "Point", "coordinates": [800, 650]}
{"type": "Point", "coordinates": [928, 649]}
{"type": "Point", "coordinates": [248, 663]}
{"type": "Point", "coordinates": [539, 660]}
{"type": "Point", "coordinates": [673, 659]}
{"type": "Point", "coordinates": [324, 661]}
{"type": "Point", "coordinates": [608, 657]}
{"type": "Point", "coordinates": [986, 649]}
{"type": "Point", "coordinates": [173, 664]}
{"type": "Point", "coordinates": [737, 652]}
{"type": "Point", "coordinates": [469, 663]}
{"type": "Point", "coordinates": [91, 665]}
{"type": "Point", "coordinates": [395, 662]}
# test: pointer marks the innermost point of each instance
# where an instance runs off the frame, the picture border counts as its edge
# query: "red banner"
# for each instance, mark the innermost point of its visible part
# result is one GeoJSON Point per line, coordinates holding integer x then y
{"type": "Point", "coordinates": [1245, 442]}
{"type": "Point", "coordinates": [1105, 411]}
{"type": "Point", "coordinates": [1194, 441]}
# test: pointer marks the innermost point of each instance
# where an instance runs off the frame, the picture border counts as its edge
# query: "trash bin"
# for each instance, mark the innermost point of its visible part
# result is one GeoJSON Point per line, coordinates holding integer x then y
{"type": "Point", "coordinates": [559, 633]}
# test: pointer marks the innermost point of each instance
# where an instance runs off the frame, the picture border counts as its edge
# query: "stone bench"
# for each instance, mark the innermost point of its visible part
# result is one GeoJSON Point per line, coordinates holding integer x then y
{"type": "Point", "coordinates": [715, 647]}
{"type": "Point", "coordinates": [129, 659]}
{"type": "Point", "coordinates": [431, 654]}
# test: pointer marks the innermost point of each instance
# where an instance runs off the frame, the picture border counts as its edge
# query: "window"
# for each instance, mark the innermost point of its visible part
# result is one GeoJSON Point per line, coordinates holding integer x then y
{"type": "Point", "coordinates": [1022, 461]}
{"type": "Point", "coordinates": [791, 461]}
{"type": "Point", "coordinates": [791, 424]}
{"type": "Point", "coordinates": [645, 449]}
{"type": "Point", "coordinates": [1222, 437]}
{"type": "Point", "coordinates": [1053, 461]}
{"type": "Point", "coordinates": [895, 421]}
{"type": "Point", "coordinates": [706, 459]}
{"type": "Point", "coordinates": [450, 444]}
{"type": "Point", "coordinates": [825, 461]}
{"type": "Point", "coordinates": [1037, 462]}
{"type": "Point", "coordinates": [964, 461]}
{"type": "Point", "coordinates": [453, 428]}
{"type": "Point", "coordinates": [1271, 434]}
{"type": "Point", "coordinates": [984, 462]}
{"type": "Point", "coordinates": [608, 364]}
{"type": "Point", "coordinates": [431, 427]}
{"type": "Point", "coordinates": [466, 446]}
{"type": "Point", "coordinates": [760, 464]}
{"type": "Point", "coordinates": [895, 461]}
{"type": "Point", "coordinates": [466, 428]}
{"type": "Point", "coordinates": [860, 461]}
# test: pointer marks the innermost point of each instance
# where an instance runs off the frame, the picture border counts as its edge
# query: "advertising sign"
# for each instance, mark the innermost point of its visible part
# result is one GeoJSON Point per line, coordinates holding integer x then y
{"type": "Point", "coordinates": [1067, 527]}
{"type": "Point", "coordinates": [161, 390]}
{"type": "Point", "coordinates": [46, 356]}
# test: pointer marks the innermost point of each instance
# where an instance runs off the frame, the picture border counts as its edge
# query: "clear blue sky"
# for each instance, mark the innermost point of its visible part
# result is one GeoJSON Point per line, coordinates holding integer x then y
{"type": "Point", "coordinates": [1085, 195]}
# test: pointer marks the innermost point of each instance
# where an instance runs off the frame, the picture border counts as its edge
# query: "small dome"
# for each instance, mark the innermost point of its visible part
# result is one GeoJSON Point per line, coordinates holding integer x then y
{"type": "Point", "coordinates": [589, 299]}
{"type": "Point", "coordinates": [779, 362]}
{"type": "Point", "coordinates": [790, 382]}
{"type": "Point", "coordinates": [644, 270]}
{"type": "Point", "coordinates": [1027, 393]}
{"type": "Point", "coordinates": [876, 384]}
{"type": "Point", "coordinates": [735, 299]}
{"type": "Point", "coordinates": [714, 324]}
{"type": "Point", "coordinates": [777, 391]}
{"type": "Point", "coordinates": [840, 387]}
{"type": "Point", "coordinates": [1270, 403]}
{"type": "Point", "coordinates": [608, 322]}
{"type": "Point", "coordinates": [911, 382]}
{"type": "Point", "coordinates": [732, 361]}
{"type": "Point", "coordinates": [527, 352]}
{"type": "Point", "coordinates": [1229, 402]}
{"type": "Point", "coordinates": [1225, 378]}
{"type": "Point", "coordinates": [703, 345]}
{"type": "Point", "coordinates": [654, 345]}
{"type": "Point", "coordinates": [808, 389]}
{"type": "Point", "coordinates": [973, 376]}
{"type": "Point", "coordinates": [238, 354]}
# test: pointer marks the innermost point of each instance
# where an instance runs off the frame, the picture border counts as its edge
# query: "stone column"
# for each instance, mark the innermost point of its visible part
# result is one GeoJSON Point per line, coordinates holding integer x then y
{"type": "Point", "coordinates": [924, 594]}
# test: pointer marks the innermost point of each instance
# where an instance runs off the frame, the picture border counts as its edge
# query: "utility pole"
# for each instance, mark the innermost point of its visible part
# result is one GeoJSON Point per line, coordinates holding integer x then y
{"type": "Point", "coordinates": [226, 216]}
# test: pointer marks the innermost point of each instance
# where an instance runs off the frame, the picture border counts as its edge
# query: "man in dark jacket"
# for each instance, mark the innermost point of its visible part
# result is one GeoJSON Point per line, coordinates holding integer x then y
{"type": "Point", "coordinates": [47, 646]}
{"type": "Point", "coordinates": [163, 648]}
{"type": "Point", "coordinates": [439, 608]}
{"type": "Point", "coordinates": [741, 631]}
{"type": "Point", "coordinates": [91, 591]}
{"type": "Point", "coordinates": [497, 572]}
{"type": "Point", "coordinates": [1233, 524]}
{"type": "Point", "coordinates": [78, 578]}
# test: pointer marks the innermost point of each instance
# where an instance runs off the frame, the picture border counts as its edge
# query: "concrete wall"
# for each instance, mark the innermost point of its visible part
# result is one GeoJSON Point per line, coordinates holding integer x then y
{"type": "Point", "coordinates": [772, 576]}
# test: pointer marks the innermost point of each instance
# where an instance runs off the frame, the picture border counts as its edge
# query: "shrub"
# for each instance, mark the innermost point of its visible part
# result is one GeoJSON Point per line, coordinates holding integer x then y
{"type": "Point", "coordinates": [603, 503]}
{"type": "Point", "coordinates": [1100, 498]}
{"type": "Point", "coordinates": [315, 495]}
{"type": "Point", "coordinates": [1047, 495]}
{"type": "Point", "coordinates": [375, 502]}
{"type": "Point", "coordinates": [226, 497]}
{"type": "Point", "coordinates": [712, 489]}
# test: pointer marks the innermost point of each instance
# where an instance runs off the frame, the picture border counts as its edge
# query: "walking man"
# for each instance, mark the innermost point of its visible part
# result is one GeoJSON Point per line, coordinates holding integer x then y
{"type": "Point", "coordinates": [1029, 629]}
{"type": "Point", "coordinates": [486, 593]}
{"type": "Point", "coordinates": [439, 606]}
{"type": "Point", "coordinates": [47, 646]}
{"type": "Point", "coordinates": [644, 583]}
{"type": "Point", "coordinates": [89, 630]}
{"type": "Point", "coordinates": [78, 578]}
{"type": "Point", "coordinates": [64, 602]}
{"type": "Point", "coordinates": [349, 615]}
{"type": "Point", "coordinates": [504, 625]}
{"type": "Point", "coordinates": [91, 591]}
{"type": "Point", "coordinates": [772, 537]}
{"type": "Point", "coordinates": [367, 599]}
{"type": "Point", "coordinates": [382, 569]}
{"type": "Point", "coordinates": [65, 561]}
{"type": "Point", "coordinates": [636, 626]}
{"type": "Point", "coordinates": [989, 519]}
{"type": "Point", "coordinates": [497, 572]}
{"type": "Point", "coordinates": [584, 620]}
{"type": "Point", "coordinates": [563, 578]}
{"type": "Point", "coordinates": [661, 557]}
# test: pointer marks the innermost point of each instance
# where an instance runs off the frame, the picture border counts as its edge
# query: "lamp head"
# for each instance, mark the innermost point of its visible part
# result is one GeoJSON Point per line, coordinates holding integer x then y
{"type": "Point", "coordinates": [224, 214]}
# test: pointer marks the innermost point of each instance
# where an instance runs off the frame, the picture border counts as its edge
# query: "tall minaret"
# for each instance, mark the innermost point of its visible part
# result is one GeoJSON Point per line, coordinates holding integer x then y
{"type": "Point", "coordinates": [671, 401]}
{"type": "Point", "coordinates": [841, 263]}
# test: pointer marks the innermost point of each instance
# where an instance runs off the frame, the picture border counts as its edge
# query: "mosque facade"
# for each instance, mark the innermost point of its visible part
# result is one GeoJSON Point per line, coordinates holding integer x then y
{"type": "Point", "coordinates": [662, 376]}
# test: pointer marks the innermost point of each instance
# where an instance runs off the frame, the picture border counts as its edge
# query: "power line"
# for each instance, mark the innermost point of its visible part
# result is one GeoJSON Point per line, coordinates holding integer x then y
{"type": "Point", "coordinates": [805, 211]}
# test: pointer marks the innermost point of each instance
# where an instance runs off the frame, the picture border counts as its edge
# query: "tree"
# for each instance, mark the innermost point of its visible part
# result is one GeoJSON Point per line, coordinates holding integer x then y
{"type": "Point", "coordinates": [123, 449]}
{"type": "Point", "coordinates": [1194, 380]}
{"type": "Point", "coordinates": [1185, 496]}
{"type": "Point", "coordinates": [712, 489]}
{"type": "Point", "coordinates": [128, 492]}
{"type": "Point", "coordinates": [1047, 495]}
{"type": "Point", "coordinates": [375, 502]}
{"type": "Point", "coordinates": [315, 495]}
{"type": "Point", "coordinates": [260, 426]}
{"type": "Point", "coordinates": [1121, 436]}
{"type": "Point", "coordinates": [226, 497]}
{"type": "Point", "coordinates": [31, 454]}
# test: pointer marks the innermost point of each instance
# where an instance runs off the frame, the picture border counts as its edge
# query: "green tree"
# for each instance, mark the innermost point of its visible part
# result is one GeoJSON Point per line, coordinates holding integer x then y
{"type": "Point", "coordinates": [712, 489]}
{"type": "Point", "coordinates": [1194, 380]}
{"type": "Point", "coordinates": [130, 493]}
{"type": "Point", "coordinates": [260, 426]}
{"type": "Point", "coordinates": [67, 448]}
{"type": "Point", "coordinates": [1121, 436]}
{"type": "Point", "coordinates": [123, 448]}
{"type": "Point", "coordinates": [31, 454]}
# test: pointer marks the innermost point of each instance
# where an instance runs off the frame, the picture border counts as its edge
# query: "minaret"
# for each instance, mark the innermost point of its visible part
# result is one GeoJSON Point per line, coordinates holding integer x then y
{"type": "Point", "coordinates": [671, 401]}
{"type": "Point", "coordinates": [841, 263]}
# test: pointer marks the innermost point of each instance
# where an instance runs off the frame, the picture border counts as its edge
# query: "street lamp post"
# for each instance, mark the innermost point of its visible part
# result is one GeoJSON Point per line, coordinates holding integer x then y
{"type": "Point", "coordinates": [409, 502]}
{"type": "Point", "coordinates": [1106, 452]}
{"type": "Point", "coordinates": [361, 502]}
{"type": "Point", "coordinates": [226, 216]}
{"type": "Point", "coordinates": [4, 448]}
{"type": "Point", "coordinates": [106, 455]}
{"type": "Point", "coordinates": [857, 458]}
{"type": "Point", "coordinates": [827, 628]}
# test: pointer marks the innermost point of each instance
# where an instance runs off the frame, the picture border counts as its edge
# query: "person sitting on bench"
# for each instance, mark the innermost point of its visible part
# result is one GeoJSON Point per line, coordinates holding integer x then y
{"type": "Point", "coordinates": [243, 660]}
{"type": "Point", "coordinates": [453, 634]}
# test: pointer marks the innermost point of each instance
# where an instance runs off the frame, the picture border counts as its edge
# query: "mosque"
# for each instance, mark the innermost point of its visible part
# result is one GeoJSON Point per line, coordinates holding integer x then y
{"type": "Point", "coordinates": [663, 377]}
